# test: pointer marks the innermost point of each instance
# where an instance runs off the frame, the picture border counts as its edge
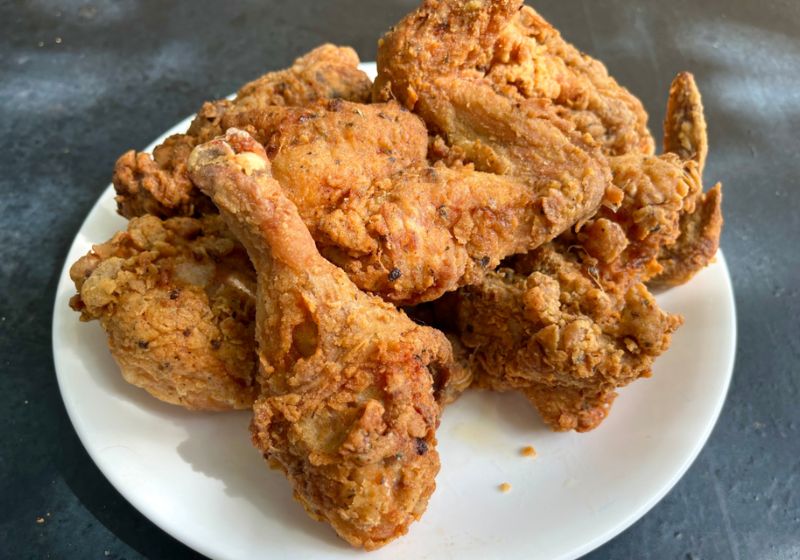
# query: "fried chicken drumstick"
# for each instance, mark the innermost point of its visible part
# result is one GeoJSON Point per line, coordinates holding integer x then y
{"type": "Point", "coordinates": [347, 408]}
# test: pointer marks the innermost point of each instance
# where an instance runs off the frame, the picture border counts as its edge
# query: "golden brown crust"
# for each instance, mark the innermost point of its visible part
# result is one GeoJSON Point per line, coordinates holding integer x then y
{"type": "Point", "coordinates": [701, 220]}
{"type": "Point", "coordinates": [572, 321]}
{"type": "Point", "coordinates": [522, 57]}
{"type": "Point", "coordinates": [347, 408]}
{"type": "Point", "coordinates": [407, 230]}
{"type": "Point", "coordinates": [685, 130]}
{"type": "Point", "coordinates": [159, 185]}
{"type": "Point", "coordinates": [697, 244]}
{"type": "Point", "coordinates": [175, 299]}
{"type": "Point", "coordinates": [550, 330]}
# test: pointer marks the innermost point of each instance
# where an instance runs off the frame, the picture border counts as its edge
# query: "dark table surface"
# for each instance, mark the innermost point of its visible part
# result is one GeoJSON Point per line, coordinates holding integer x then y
{"type": "Point", "coordinates": [82, 81]}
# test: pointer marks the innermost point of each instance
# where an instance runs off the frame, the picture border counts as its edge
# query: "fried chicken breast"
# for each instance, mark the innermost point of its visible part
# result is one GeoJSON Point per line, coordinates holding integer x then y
{"type": "Point", "coordinates": [347, 408]}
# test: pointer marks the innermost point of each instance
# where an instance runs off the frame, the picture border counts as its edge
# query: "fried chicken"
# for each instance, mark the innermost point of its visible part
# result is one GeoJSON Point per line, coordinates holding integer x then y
{"type": "Point", "coordinates": [701, 222]}
{"type": "Point", "coordinates": [570, 322]}
{"type": "Point", "coordinates": [549, 330]}
{"type": "Point", "coordinates": [500, 49]}
{"type": "Point", "coordinates": [176, 301]}
{"type": "Point", "coordinates": [159, 184]}
{"type": "Point", "coordinates": [347, 407]}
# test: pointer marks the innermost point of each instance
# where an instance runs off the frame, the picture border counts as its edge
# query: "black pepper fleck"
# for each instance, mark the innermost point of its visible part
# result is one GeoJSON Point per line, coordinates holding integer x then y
{"type": "Point", "coordinates": [422, 446]}
{"type": "Point", "coordinates": [173, 294]}
{"type": "Point", "coordinates": [394, 274]}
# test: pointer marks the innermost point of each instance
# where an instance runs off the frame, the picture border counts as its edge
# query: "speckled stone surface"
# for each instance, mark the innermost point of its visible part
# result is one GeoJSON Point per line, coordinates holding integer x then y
{"type": "Point", "coordinates": [83, 81]}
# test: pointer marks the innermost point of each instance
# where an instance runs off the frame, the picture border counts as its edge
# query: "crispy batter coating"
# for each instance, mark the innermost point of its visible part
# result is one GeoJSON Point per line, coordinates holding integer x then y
{"type": "Point", "coordinates": [697, 244]}
{"type": "Point", "coordinates": [701, 221]}
{"type": "Point", "coordinates": [159, 184]}
{"type": "Point", "coordinates": [512, 52]}
{"type": "Point", "coordinates": [550, 330]}
{"type": "Point", "coordinates": [685, 129]}
{"type": "Point", "coordinates": [347, 408]}
{"type": "Point", "coordinates": [573, 319]}
{"type": "Point", "coordinates": [176, 300]}
{"type": "Point", "coordinates": [400, 227]}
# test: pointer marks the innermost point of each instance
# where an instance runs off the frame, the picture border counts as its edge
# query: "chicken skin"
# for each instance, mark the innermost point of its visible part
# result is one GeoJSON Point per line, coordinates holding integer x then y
{"type": "Point", "coordinates": [501, 50]}
{"type": "Point", "coordinates": [159, 184]}
{"type": "Point", "coordinates": [347, 408]}
{"type": "Point", "coordinates": [175, 298]}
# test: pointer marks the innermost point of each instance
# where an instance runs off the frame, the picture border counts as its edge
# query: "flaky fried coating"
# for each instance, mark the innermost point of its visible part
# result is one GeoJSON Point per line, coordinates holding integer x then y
{"type": "Point", "coordinates": [400, 227]}
{"type": "Point", "coordinates": [159, 184]}
{"type": "Point", "coordinates": [504, 49]}
{"type": "Point", "coordinates": [347, 408]}
{"type": "Point", "coordinates": [550, 330]}
{"type": "Point", "coordinates": [697, 244]}
{"type": "Point", "coordinates": [175, 298]}
{"type": "Point", "coordinates": [574, 319]}
{"type": "Point", "coordinates": [662, 228]}
{"type": "Point", "coordinates": [701, 220]}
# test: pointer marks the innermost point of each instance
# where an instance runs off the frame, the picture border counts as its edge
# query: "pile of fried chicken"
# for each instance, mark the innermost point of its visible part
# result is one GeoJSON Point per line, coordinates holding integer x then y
{"type": "Point", "coordinates": [347, 257]}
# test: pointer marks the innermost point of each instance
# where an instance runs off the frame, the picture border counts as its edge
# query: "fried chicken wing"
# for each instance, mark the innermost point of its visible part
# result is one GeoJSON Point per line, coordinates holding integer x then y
{"type": "Point", "coordinates": [176, 301]}
{"type": "Point", "coordinates": [570, 322]}
{"type": "Point", "coordinates": [505, 50]}
{"type": "Point", "coordinates": [701, 221]}
{"type": "Point", "coordinates": [347, 408]}
{"type": "Point", "coordinates": [159, 184]}
{"type": "Point", "coordinates": [697, 244]}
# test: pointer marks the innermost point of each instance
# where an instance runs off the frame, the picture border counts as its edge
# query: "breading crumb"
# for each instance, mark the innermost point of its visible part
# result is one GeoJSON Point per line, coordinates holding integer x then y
{"type": "Point", "coordinates": [528, 451]}
{"type": "Point", "coordinates": [40, 520]}
{"type": "Point", "coordinates": [505, 487]}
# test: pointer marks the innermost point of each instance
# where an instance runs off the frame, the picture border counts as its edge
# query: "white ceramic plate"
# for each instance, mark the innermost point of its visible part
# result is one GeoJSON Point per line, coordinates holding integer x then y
{"type": "Point", "coordinates": [197, 477]}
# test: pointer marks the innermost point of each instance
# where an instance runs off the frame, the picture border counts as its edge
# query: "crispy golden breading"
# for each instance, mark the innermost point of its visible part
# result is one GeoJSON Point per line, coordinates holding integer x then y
{"type": "Point", "coordinates": [550, 330]}
{"type": "Point", "coordinates": [159, 185]}
{"type": "Point", "coordinates": [697, 244]}
{"type": "Point", "coordinates": [574, 319]}
{"type": "Point", "coordinates": [176, 300]}
{"type": "Point", "coordinates": [347, 408]}
{"type": "Point", "coordinates": [503, 49]}
{"type": "Point", "coordinates": [400, 227]}
{"type": "Point", "coordinates": [701, 221]}
{"type": "Point", "coordinates": [685, 129]}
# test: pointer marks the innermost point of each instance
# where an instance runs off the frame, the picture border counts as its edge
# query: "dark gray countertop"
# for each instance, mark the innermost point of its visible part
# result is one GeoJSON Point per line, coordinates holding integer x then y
{"type": "Point", "coordinates": [82, 81]}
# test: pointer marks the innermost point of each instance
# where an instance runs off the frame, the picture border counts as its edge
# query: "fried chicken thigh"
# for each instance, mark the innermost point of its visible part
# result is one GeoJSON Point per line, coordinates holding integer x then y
{"type": "Point", "coordinates": [500, 49]}
{"type": "Point", "coordinates": [347, 408]}
{"type": "Point", "coordinates": [159, 184]}
{"type": "Point", "coordinates": [176, 301]}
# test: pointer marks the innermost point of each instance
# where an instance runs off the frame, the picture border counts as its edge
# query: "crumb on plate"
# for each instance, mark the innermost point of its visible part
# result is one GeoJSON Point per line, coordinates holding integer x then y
{"type": "Point", "coordinates": [528, 451]}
